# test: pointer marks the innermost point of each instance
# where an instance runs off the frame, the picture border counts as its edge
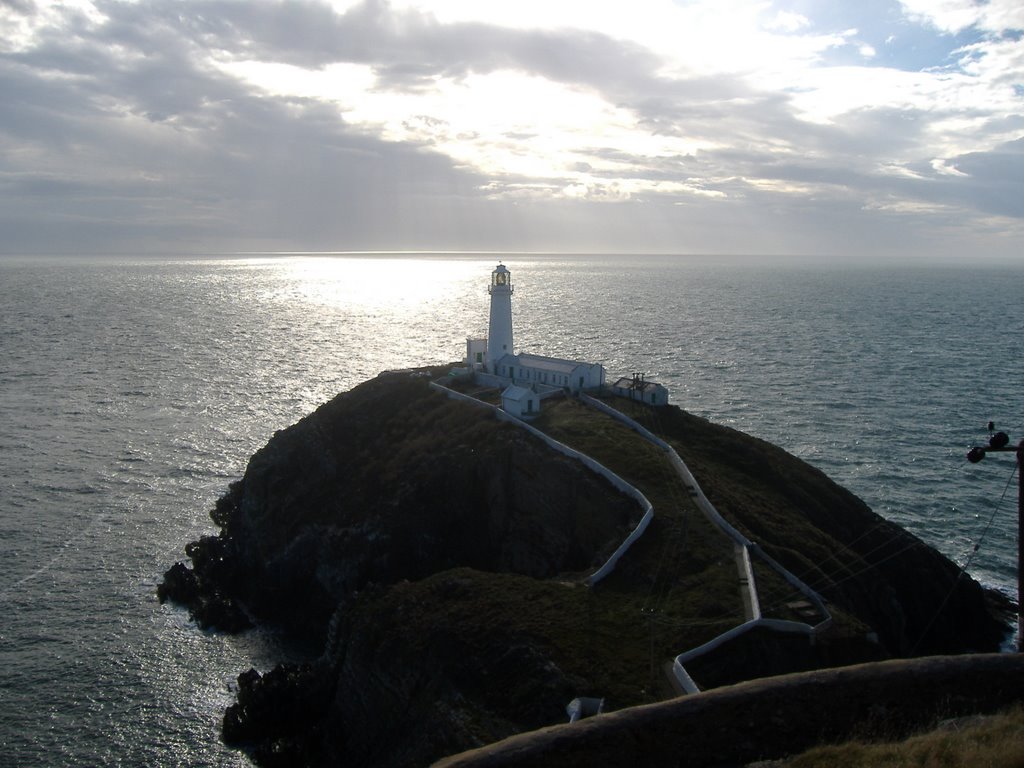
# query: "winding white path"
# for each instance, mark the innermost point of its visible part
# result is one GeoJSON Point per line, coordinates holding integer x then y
{"type": "Point", "coordinates": [742, 546]}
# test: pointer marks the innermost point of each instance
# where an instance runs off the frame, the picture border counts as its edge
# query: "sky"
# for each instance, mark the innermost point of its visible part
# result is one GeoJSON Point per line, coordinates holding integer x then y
{"type": "Point", "coordinates": [881, 128]}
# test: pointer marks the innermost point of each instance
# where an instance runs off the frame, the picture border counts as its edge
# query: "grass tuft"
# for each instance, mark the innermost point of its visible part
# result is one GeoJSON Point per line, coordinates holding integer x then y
{"type": "Point", "coordinates": [983, 742]}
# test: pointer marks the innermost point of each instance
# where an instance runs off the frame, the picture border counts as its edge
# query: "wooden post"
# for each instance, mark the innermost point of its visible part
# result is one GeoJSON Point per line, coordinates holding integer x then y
{"type": "Point", "coordinates": [999, 443]}
{"type": "Point", "coordinates": [1020, 547]}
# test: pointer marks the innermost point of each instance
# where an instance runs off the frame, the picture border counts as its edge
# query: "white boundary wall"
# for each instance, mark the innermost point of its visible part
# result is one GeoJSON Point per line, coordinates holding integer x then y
{"type": "Point", "coordinates": [705, 505]}
{"type": "Point", "coordinates": [588, 462]}
{"type": "Point", "coordinates": [748, 575]}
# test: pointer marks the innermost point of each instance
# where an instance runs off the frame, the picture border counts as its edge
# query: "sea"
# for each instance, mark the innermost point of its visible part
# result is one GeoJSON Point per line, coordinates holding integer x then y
{"type": "Point", "coordinates": [134, 390]}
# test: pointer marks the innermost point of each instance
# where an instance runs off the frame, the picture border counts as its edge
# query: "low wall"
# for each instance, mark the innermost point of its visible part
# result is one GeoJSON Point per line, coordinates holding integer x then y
{"type": "Point", "coordinates": [587, 461]}
{"type": "Point", "coordinates": [797, 583]}
{"type": "Point", "coordinates": [705, 505]}
{"type": "Point", "coordinates": [609, 566]}
{"type": "Point", "coordinates": [489, 380]}
{"type": "Point", "coordinates": [748, 572]}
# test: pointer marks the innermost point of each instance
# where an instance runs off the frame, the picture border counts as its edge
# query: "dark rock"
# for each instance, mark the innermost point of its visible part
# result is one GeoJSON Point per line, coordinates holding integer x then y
{"type": "Point", "coordinates": [393, 481]}
{"type": "Point", "coordinates": [917, 600]}
{"type": "Point", "coordinates": [198, 589]}
{"type": "Point", "coordinates": [410, 540]}
{"type": "Point", "coordinates": [277, 714]}
{"type": "Point", "coordinates": [179, 585]}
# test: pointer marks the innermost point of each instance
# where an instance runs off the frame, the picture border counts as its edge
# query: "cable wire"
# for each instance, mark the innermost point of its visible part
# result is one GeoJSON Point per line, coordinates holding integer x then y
{"type": "Point", "coordinates": [970, 558]}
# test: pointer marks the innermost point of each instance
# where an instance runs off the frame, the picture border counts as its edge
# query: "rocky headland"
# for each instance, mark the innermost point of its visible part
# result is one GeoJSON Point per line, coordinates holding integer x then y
{"type": "Point", "coordinates": [435, 558]}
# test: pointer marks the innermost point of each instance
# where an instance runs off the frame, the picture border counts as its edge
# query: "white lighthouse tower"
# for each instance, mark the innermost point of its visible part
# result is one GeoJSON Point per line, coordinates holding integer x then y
{"type": "Point", "coordinates": [499, 330]}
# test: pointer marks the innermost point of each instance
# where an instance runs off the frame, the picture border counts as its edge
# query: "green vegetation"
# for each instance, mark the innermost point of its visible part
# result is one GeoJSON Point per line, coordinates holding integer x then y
{"type": "Point", "coordinates": [988, 742]}
{"type": "Point", "coordinates": [830, 539]}
{"type": "Point", "coordinates": [677, 586]}
{"type": "Point", "coordinates": [675, 589]}
{"type": "Point", "coordinates": [442, 554]}
{"type": "Point", "coordinates": [599, 644]}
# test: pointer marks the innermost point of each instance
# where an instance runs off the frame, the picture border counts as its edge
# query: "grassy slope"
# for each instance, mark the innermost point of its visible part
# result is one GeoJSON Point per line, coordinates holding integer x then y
{"type": "Point", "coordinates": [676, 588]}
{"type": "Point", "coordinates": [994, 742]}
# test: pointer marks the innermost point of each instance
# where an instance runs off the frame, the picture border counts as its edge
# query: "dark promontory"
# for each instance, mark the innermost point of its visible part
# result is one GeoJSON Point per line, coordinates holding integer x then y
{"type": "Point", "coordinates": [435, 558]}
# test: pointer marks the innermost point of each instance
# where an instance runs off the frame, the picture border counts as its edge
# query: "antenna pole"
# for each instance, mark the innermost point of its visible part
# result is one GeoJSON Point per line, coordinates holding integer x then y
{"type": "Point", "coordinates": [1000, 442]}
{"type": "Point", "coordinates": [1020, 546]}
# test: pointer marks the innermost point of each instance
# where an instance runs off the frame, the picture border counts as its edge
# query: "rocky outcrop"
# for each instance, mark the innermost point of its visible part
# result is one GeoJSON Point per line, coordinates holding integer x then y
{"type": "Point", "coordinates": [914, 598]}
{"type": "Point", "coordinates": [278, 714]}
{"type": "Point", "coordinates": [434, 556]}
{"type": "Point", "coordinates": [393, 481]}
{"type": "Point", "coordinates": [340, 515]}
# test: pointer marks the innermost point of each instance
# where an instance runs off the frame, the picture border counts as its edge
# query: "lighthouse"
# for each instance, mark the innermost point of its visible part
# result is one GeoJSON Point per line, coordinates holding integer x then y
{"type": "Point", "coordinates": [499, 330]}
{"type": "Point", "coordinates": [494, 363]}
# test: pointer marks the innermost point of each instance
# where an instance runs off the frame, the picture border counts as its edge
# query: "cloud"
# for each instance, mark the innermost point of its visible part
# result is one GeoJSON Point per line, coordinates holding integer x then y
{"type": "Point", "coordinates": [992, 179]}
{"type": "Point", "coordinates": [306, 125]}
{"type": "Point", "coordinates": [952, 16]}
{"type": "Point", "coordinates": [788, 21]}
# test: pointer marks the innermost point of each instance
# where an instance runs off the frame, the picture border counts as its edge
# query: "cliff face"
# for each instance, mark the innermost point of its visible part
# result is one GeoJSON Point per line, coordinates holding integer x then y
{"type": "Point", "coordinates": [436, 555]}
{"type": "Point", "coordinates": [917, 601]}
{"type": "Point", "coordinates": [334, 532]}
{"type": "Point", "coordinates": [393, 481]}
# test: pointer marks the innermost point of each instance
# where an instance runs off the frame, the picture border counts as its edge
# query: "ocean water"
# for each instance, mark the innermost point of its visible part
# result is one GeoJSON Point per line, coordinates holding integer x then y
{"type": "Point", "coordinates": [132, 391]}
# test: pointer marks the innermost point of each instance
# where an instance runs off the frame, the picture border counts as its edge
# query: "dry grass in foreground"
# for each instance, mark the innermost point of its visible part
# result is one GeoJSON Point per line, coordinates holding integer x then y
{"type": "Point", "coordinates": [985, 742]}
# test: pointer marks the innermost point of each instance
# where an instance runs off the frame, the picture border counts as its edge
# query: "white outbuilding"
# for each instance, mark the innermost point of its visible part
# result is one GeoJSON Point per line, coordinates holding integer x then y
{"type": "Point", "coordinates": [521, 402]}
{"type": "Point", "coordinates": [641, 390]}
{"type": "Point", "coordinates": [574, 375]}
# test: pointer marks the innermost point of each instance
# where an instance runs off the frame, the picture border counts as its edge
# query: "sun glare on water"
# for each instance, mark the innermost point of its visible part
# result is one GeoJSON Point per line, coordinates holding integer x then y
{"type": "Point", "coordinates": [375, 285]}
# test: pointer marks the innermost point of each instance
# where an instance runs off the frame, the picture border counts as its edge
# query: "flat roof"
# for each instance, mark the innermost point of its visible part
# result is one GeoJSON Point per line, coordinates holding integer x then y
{"type": "Point", "coordinates": [628, 382]}
{"type": "Point", "coordinates": [515, 393]}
